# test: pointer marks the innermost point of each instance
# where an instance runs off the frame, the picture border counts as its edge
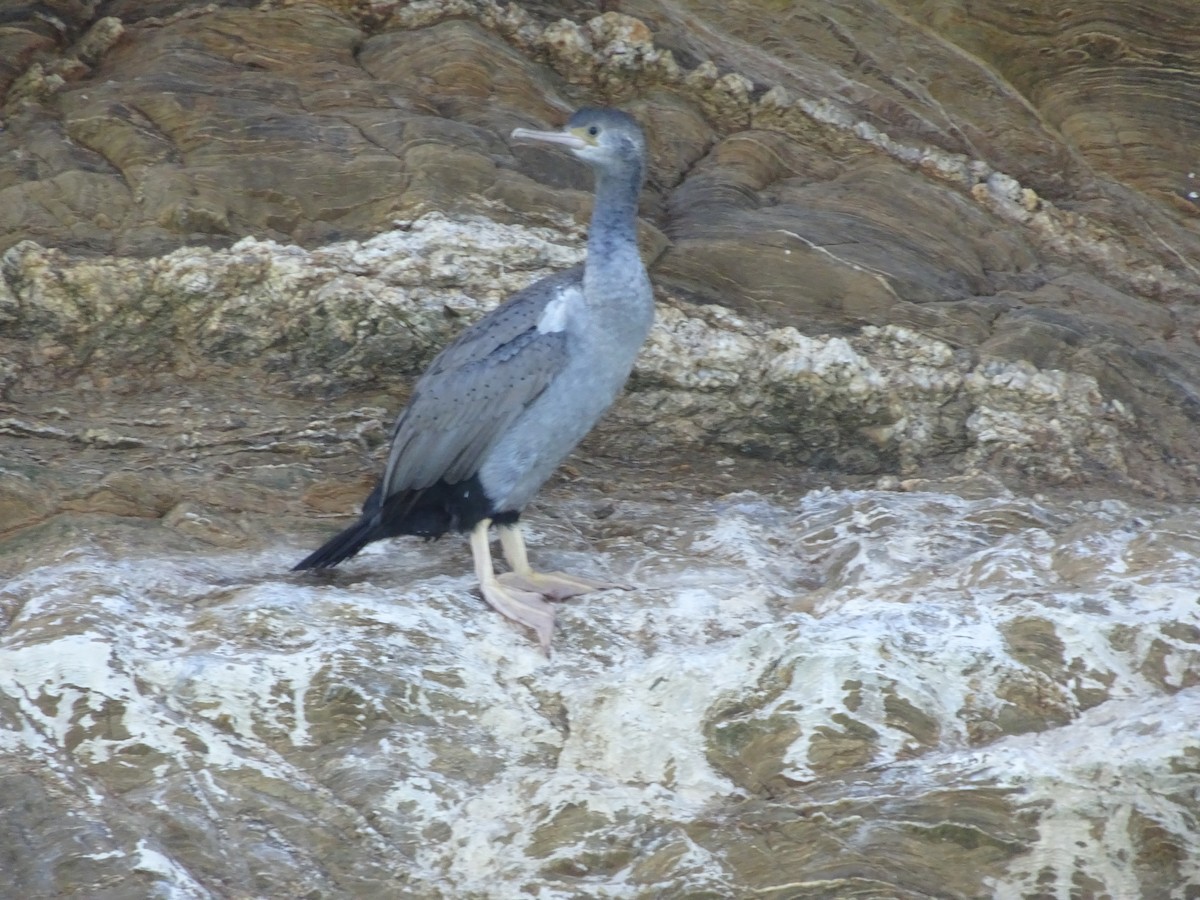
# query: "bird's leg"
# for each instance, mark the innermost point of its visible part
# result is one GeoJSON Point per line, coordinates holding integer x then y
{"type": "Point", "coordinates": [555, 585]}
{"type": "Point", "coordinates": [527, 607]}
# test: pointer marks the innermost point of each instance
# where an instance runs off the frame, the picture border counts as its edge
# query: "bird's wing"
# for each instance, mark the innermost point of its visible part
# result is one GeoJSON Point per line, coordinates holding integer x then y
{"type": "Point", "coordinates": [478, 385]}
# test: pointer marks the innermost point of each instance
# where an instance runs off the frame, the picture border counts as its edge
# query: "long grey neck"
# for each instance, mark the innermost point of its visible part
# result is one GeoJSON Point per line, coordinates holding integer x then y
{"type": "Point", "coordinates": [612, 236]}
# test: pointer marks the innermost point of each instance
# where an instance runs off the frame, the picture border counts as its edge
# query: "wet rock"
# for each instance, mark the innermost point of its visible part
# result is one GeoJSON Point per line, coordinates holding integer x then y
{"type": "Point", "coordinates": [355, 716]}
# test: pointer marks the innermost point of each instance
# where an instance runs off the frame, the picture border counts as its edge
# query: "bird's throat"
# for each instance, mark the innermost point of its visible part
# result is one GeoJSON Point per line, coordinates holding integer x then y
{"type": "Point", "coordinates": [612, 234]}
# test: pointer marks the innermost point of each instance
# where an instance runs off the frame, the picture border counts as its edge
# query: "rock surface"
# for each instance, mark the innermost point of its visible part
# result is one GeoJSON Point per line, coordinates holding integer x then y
{"type": "Point", "coordinates": [901, 477]}
{"type": "Point", "coordinates": [786, 179]}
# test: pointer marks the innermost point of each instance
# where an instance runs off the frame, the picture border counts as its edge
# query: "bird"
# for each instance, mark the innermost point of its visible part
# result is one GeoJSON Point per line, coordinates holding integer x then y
{"type": "Point", "coordinates": [502, 405]}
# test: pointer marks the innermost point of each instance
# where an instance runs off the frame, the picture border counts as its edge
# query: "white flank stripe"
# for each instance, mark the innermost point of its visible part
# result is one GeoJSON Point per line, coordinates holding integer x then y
{"type": "Point", "coordinates": [554, 316]}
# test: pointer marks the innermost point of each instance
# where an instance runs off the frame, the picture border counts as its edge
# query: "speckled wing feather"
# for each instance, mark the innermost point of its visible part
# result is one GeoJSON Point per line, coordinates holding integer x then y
{"type": "Point", "coordinates": [476, 387]}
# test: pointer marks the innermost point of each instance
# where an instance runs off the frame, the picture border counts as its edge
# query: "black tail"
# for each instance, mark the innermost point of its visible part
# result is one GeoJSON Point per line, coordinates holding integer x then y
{"type": "Point", "coordinates": [342, 545]}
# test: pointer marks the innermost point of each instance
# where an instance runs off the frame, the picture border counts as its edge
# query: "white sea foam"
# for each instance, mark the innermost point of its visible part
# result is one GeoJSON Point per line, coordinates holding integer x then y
{"type": "Point", "coordinates": [928, 628]}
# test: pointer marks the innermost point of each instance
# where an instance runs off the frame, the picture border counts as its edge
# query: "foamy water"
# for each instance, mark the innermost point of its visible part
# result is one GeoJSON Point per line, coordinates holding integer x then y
{"type": "Point", "coordinates": [917, 691]}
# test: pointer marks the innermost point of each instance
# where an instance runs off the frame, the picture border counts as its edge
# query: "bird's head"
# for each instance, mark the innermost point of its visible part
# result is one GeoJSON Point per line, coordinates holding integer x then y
{"type": "Point", "coordinates": [606, 139]}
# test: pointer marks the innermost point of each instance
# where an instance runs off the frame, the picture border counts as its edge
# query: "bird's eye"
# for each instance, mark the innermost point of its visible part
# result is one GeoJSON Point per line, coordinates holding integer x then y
{"type": "Point", "coordinates": [593, 130]}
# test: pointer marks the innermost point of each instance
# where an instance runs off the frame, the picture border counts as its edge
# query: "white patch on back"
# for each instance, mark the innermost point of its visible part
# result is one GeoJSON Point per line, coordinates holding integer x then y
{"type": "Point", "coordinates": [554, 316]}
